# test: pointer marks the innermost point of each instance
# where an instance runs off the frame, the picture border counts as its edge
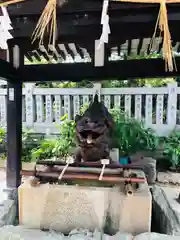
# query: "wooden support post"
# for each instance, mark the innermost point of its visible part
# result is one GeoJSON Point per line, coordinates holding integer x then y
{"type": "Point", "coordinates": [14, 122]}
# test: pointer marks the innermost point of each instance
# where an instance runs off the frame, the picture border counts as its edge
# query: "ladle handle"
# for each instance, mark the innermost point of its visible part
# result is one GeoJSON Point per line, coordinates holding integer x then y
{"type": "Point", "coordinates": [102, 172]}
{"type": "Point", "coordinates": [63, 171]}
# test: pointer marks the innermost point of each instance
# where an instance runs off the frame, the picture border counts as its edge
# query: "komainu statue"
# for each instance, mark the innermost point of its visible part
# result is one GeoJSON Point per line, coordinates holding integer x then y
{"type": "Point", "coordinates": [93, 133]}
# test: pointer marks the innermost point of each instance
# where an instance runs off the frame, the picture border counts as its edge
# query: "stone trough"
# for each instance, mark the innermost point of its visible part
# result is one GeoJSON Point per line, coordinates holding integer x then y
{"type": "Point", "coordinates": [165, 214]}
{"type": "Point", "coordinates": [66, 207]}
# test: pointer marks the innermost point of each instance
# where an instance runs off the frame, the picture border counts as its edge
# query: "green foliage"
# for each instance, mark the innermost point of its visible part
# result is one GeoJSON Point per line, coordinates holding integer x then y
{"type": "Point", "coordinates": [130, 135]}
{"type": "Point", "coordinates": [30, 141]}
{"type": "Point", "coordinates": [172, 148]}
{"type": "Point", "coordinates": [50, 148]}
{"type": "Point", "coordinates": [2, 135]}
{"type": "Point", "coordinates": [83, 109]}
{"type": "Point", "coordinates": [153, 82]}
{"type": "Point", "coordinates": [81, 84]}
{"type": "Point", "coordinates": [149, 56]}
{"type": "Point", "coordinates": [67, 129]}
{"type": "Point", "coordinates": [57, 147]}
{"type": "Point", "coordinates": [3, 143]}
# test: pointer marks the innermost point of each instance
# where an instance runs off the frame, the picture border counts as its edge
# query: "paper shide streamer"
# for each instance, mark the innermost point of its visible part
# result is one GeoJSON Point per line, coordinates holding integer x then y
{"type": "Point", "coordinates": [105, 23]}
{"type": "Point", "coordinates": [5, 26]}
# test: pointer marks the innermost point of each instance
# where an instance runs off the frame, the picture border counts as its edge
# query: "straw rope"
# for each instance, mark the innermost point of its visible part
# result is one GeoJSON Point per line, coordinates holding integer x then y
{"type": "Point", "coordinates": [167, 45]}
{"type": "Point", "coordinates": [162, 22]}
{"type": "Point", "coordinates": [47, 22]}
{"type": "Point", "coordinates": [4, 4]}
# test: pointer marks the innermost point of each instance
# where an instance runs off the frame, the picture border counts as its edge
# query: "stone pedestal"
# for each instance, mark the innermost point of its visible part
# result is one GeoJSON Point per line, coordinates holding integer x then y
{"type": "Point", "coordinates": [148, 164]}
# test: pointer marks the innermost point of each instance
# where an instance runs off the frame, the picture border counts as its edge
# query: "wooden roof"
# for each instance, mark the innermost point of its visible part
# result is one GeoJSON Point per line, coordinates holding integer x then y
{"type": "Point", "coordinates": [80, 20]}
{"type": "Point", "coordinates": [78, 24]}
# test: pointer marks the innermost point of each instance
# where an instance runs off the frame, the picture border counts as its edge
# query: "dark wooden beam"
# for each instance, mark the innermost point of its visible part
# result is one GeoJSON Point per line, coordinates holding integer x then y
{"type": "Point", "coordinates": [14, 121]}
{"type": "Point", "coordinates": [3, 54]}
{"type": "Point", "coordinates": [79, 33]}
{"type": "Point", "coordinates": [29, 56]}
{"type": "Point", "coordinates": [146, 68]}
{"type": "Point", "coordinates": [80, 6]}
{"type": "Point", "coordinates": [81, 17]}
{"type": "Point", "coordinates": [43, 54]}
{"type": "Point", "coordinates": [71, 6]}
{"type": "Point", "coordinates": [7, 70]}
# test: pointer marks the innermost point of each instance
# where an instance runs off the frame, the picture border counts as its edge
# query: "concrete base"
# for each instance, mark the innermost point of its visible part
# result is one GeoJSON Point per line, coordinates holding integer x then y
{"type": "Point", "coordinates": [63, 208]}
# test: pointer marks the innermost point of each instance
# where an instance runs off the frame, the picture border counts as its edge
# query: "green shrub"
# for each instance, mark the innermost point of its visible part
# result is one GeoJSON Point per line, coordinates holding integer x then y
{"type": "Point", "coordinates": [83, 109]}
{"type": "Point", "coordinates": [50, 148]}
{"type": "Point", "coordinates": [130, 135]}
{"type": "Point", "coordinates": [67, 129]}
{"type": "Point", "coordinates": [60, 146]}
{"type": "Point", "coordinates": [30, 140]}
{"type": "Point", "coordinates": [3, 143]}
{"type": "Point", "coordinates": [172, 148]}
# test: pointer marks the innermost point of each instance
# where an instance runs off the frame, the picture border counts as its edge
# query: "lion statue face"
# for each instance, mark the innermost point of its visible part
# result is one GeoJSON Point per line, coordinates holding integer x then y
{"type": "Point", "coordinates": [94, 123]}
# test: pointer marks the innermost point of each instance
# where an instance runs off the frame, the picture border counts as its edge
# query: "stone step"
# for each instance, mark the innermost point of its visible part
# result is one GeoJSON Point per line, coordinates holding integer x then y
{"type": "Point", "coordinates": [155, 236]}
{"type": "Point", "coordinates": [22, 233]}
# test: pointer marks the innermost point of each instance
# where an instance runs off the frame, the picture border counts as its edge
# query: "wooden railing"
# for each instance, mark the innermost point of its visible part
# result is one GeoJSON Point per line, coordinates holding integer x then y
{"type": "Point", "coordinates": [42, 108]}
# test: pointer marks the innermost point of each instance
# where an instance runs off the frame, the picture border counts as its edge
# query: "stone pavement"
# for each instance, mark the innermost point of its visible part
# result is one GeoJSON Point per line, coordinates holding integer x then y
{"type": "Point", "coordinates": [2, 175]}
{"type": "Point", "coordinates": [172, 178]}
{"type": "Point", "coordinates": [21, 233]}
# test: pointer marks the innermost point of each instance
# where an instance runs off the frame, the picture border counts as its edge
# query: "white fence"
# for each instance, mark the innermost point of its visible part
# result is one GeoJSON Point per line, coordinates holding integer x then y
{"type": "Point", "coordinates": [43, 107]}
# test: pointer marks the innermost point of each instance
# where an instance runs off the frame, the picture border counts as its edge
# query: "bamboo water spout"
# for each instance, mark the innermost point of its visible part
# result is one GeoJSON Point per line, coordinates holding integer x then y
{"type": "Point", "coordinates": [128, 189]}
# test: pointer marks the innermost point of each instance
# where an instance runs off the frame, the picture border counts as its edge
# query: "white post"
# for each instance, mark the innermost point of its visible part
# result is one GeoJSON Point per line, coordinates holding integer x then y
{"type": "Point", "coordinates": [172, 105]}
{"type": "Point", "coordinates": [29, 104]}
{"type": "Point", "coordinates": [97, 90]}
{"type": "Point", "coordinates": [98, 54]}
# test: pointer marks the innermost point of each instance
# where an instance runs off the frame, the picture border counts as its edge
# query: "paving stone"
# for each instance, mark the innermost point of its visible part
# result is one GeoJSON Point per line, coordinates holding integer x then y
{"type": "Point", "coordinates": [168, 177]}
{"type": "Point", "coordinates": [120, 236]}
{"type": "Point", "coordinates": [22, 233]}
{"type": "Point", "coordinates": [155, 236]}
{"type": "Point", "coordinates": [148, 164]}
{"type": "Point", "coordinates": [8, 203]}
{"type": "Point", "coordinates": [7, 212]}
{"type": "Point", "coordinates": [166, 209]}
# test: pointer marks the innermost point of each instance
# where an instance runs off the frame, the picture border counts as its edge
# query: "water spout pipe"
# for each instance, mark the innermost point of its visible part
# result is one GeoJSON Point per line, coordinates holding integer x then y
{"type": "Point", "coordinates": [128, 189]}
{"type": "Point", "coordinates": [78, 176]}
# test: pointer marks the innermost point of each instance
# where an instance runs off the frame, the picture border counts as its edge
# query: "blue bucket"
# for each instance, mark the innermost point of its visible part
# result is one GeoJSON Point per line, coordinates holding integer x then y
{"type": "Point", "coordinates": [124, 160]}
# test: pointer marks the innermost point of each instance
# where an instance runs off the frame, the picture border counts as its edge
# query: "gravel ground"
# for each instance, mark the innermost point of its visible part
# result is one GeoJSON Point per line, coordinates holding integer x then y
{"type": "Point", "coordinates": [3, 176]}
